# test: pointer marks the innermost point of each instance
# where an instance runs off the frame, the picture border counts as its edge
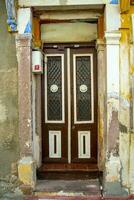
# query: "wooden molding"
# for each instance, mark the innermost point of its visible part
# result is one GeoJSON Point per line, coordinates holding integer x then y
{"type": "Point", "coordinates": [132, 2]}
{"type": "Point", "coordinates": [36, 32]}
{"type": "Point", "coordinates": [101, 27]}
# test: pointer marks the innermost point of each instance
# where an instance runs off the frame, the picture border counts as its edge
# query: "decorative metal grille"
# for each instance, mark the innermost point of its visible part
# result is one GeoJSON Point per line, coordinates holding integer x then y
{"type": "Point", "coordinates": [54, 88]}
{"type": "Point", "coordinates": [83, 88]}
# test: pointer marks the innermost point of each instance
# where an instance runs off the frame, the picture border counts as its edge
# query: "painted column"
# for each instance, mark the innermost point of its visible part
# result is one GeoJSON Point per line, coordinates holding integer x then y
{"type": "Point", "coordinates": [124, 114]}
{"type": "Point", "coordinates": [23, 43]}
{"type": "Point", "coordinates": [26, 166]}
{"type": "Point", "coordinates": [112, 177]}
{"type": "Point", "coordinates": [131, 170]}
{"type": "Point", "coordinates": [131, 74]}
{"type": "Point", "coordinates": [101, 101]}
{"type": "Point", "coordinates": [114, 167]}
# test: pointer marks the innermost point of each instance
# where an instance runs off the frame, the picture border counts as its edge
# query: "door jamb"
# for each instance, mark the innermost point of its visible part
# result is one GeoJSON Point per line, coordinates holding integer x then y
{"type": "Point", "coordinates": [69, 105]}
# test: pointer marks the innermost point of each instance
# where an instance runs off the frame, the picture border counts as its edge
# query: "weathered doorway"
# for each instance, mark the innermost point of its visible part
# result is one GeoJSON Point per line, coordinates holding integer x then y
{"type": "Point", "coordinates": [69, 107]}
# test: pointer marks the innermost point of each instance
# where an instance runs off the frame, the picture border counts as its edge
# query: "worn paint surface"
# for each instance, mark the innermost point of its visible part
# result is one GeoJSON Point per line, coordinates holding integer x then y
{"type": "Point", "coordinates": [101, 101]}
{"type": "Point", "coordinates": [9, 145]}
{"type": "Point", "coordinates": [126, 70]}
{"type": "Point", "coordinates": [112, 17]}
{"type": "Point", "coordinates": [27, 171]}
{"type": "Point", "coordinates": [68, 188]}
{"type": "Point", "coordinates": [27, 3]}
{"type": "Point", "coordinates": [119, 175]}
{"type": "Point", "coordinates": [11, 13]}
{"type": "Point", "coordinates": [76, 32]}
{"type": "Point", "coordinates": [24, 21]}
{"type": "Point", "coordinates": [23, 43]}
{"type": "Point", "coordinates": [118, 96]}
{"type": "Point", "coordinates": [112, 165]}
{"type": "Point", "coordinates": [69, 15]}
{"type": "Point", "coordinates": [124, 5]}
{"type": "Point", "coordinates": [119, 161]}
{"type": "Point", "coordinates": [124, 116]}
{"type": "Point", "coordinates": [131, 174]}
{"type": "Point", "coordinates": [120, 142]}
{"type": "Point", "coordinates": [36, 32]}
{"type": "Point", "coordinates": [9, 138]}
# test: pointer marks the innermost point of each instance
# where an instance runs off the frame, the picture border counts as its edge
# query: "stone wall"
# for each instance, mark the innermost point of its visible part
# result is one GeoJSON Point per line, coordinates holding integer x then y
{"type": "Point", "coordinates": [9, 140]}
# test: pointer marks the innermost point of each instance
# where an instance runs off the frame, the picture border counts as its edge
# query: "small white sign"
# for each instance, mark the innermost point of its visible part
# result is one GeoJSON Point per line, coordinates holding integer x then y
{"type": "Point", "coordinates": [37, 62]}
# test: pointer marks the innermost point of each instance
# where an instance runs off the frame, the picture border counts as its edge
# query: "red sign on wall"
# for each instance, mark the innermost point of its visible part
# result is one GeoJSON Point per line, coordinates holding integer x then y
{"type": "Point", "coordinates": [36, 67]}
{"type": "Point", "coordinates": [37, 62]}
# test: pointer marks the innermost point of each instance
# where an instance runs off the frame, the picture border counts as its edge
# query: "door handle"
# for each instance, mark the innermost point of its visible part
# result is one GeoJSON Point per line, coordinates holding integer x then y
{"type": "Point", "coordinates": [73, 127]}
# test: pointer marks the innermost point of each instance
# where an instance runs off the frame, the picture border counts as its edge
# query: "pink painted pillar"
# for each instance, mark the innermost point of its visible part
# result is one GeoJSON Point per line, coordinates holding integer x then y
{"type": "Point", "coordinates": [24, 55]}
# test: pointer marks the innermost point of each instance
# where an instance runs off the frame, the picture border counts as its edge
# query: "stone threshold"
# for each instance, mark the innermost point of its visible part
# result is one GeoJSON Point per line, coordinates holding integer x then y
{"type": "Point", "coordinates": [72, 190]}
{"type": "Point", "coordinates": [131, 197]}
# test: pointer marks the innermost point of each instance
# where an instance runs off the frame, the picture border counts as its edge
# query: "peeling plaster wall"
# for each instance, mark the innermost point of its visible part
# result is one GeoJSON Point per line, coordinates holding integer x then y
{"type": "Point", "coordinates": [76, 32]}
{"type": "Point", "coordinates": [126, 101]}
{"type": "Point", "coordinates": [124, 115]}
{"type": "Point", "coordinates": [9, 148]}
{"type": "Point", "coordinates": [37, 137]}
{"type": "Point", "coordinates": [112, 165]}
{"type": "Point", "coordinates": [120, 164]}
{"type": "Point", "coordinates": [27, 3]}
{"type": "Point", "coordinates": [131, 99]}
{"type": "Point", "coordinates": [119, 147]}
{"type": "Point", "coordinates": [118, 105]}
{"type": "Point", "coordinates": [9, 140]}
{"type": "Point", "coordinates": [101, 102]}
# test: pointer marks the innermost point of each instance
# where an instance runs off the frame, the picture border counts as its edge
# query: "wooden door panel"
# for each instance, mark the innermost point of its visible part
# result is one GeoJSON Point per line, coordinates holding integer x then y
{"type": "Point", "coordinates": [84, 105]}
{"type": "Point", "coordinates": [55, 140]}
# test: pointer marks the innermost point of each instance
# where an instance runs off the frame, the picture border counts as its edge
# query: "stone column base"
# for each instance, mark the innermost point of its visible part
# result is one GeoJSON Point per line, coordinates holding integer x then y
{"type": "Point", "coordinates": [27, 173]}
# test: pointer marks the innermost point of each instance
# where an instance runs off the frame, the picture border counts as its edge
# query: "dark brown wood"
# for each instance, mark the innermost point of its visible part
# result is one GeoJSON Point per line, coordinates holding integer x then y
{"type": "Point", "coordinates": [81, 127]}
{"type": "Point", "coordinates": [77, 164]}
{"type": "Point", "coordinates": [68, 171]}
{"type": "Point", "coordinates": [100, 27]}
{"type": "Point", "coordinates": [68, 45]}
{"type": "Point", "coordinates": [69, 167]}
{"type": "Point", "coordinates": [132, 2]}
{"type": "Point", "coordinates": [55, 126]}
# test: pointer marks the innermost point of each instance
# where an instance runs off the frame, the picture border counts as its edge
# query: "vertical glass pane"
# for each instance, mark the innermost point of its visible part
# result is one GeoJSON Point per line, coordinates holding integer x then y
{"type": "Point", "coordinates": [54, 88]}
{"type": "Point", "coordinates": [83, 88]}
{"type": "Point", "coordinates": [84, 144]}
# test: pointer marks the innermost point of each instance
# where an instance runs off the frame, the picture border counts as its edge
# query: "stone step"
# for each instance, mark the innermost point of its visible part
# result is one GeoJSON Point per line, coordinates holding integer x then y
{"type": "Point", "coordinates": [63, 198]}
{"type": "Point", "coordinates": [78, 198]}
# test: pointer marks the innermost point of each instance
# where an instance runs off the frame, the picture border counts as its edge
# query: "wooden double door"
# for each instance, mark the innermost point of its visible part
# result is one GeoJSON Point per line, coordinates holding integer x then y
{"type": "Point", "coordinates": [69, 105]}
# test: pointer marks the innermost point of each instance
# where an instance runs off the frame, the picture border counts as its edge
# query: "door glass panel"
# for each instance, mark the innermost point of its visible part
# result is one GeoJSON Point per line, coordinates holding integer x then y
{"type": "Point", "coordinates": [54, 71]}
{"type": "Point", "coordinates": [83, 88]}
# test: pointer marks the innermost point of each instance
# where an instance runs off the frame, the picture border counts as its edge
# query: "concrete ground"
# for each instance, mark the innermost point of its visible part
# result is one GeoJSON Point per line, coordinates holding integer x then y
{"type": "Point", "coordinates": [69, 187]}
{"type": "Point", "coordinates": [71, 190]}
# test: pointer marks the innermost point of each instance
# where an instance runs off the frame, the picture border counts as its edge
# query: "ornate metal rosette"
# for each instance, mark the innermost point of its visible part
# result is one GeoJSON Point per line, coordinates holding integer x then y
{"type": "Point", "coordinates": [83, 88]}
{"type": "Point", "coordinates": [54, 88]}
